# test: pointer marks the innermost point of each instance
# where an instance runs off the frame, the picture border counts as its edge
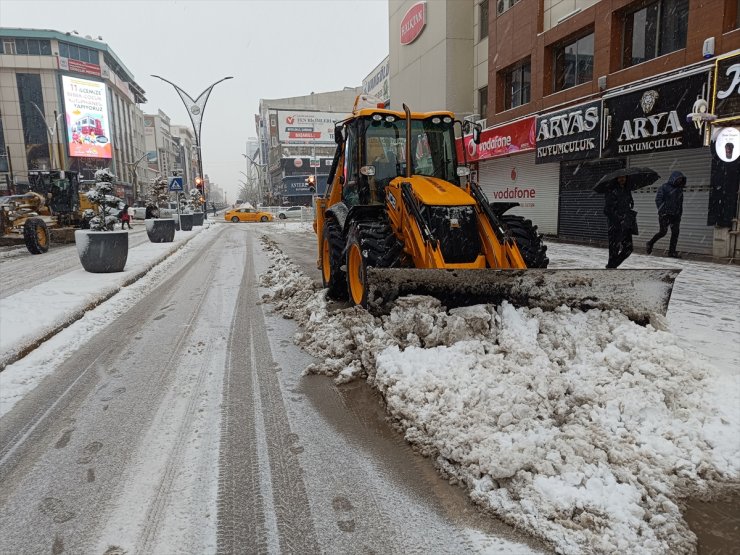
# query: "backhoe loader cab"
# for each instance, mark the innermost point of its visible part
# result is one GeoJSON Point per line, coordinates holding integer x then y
{"type": "Point", "coordinates": [401, 216]}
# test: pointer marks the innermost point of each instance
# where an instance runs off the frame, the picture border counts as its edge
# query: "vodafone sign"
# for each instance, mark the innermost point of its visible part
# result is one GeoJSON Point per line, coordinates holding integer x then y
{"type": "Point", "coordinates": [505, 140]}
{"type": "Point", "coordinates": [413, 22]}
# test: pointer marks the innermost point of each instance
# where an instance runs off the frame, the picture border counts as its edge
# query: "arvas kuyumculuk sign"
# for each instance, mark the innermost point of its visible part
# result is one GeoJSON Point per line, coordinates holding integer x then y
{"type": "Point", "coordinates": [653, 118]}
{"type": "Point", "coordinates": [569, 134]}
{"type": "Point", "coordinates": [727, 88]}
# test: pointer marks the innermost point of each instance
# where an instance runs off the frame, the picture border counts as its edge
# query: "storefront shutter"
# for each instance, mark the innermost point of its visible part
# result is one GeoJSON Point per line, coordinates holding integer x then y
{"type": "Point", "coordinates": [695, 237]}
{"type": "Point", "coordinates": [511, 179]}
{"type": "Point", "coordinates": [582, 216]}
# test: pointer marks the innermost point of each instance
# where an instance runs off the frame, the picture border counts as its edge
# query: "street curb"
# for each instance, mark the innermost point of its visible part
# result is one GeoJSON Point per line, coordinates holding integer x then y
{"type": "Point", "coordinates": [12, 357]}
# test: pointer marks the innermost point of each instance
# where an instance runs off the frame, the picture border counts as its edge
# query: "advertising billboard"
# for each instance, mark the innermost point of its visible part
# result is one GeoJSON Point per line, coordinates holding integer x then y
{"type": "Point", "coordinates": [86, 110]}
{"type": "Point", "coordinates": [311, 128]}
{"type": "Point", "coordinates": [376, 83]}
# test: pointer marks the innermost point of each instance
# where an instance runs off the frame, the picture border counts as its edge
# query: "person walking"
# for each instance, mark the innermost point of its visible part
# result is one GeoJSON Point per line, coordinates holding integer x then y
{"type": "Point", "coordinates": [213, 207]}
{"type": "Point", "coordinates": [669, 201]}
{"type": "Point", "coordinates": [125, 217]}
{"type": "Point", "coordinates": [618, 208]}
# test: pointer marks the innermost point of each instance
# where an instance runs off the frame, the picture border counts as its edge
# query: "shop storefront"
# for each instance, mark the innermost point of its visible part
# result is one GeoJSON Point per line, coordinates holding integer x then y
{"type": "Point", "coordinates": [568, 141]}
{"type": "Point", "coordinates": [648, 125]}
{"type": "Point", "coordinates": [724, 203]}
{"type": "Point", "coordinates": [506, 171]}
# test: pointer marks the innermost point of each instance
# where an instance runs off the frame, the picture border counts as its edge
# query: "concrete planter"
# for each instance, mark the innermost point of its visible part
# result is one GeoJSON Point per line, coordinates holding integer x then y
{"type": "Point", "coordinates": [102, 252]}
{"type": "Point", "coordinates": [161, 230]}
{"type": "Point", "coordinates": [197, 218]}
{"type": "Point", "coordinates": [183, 222]}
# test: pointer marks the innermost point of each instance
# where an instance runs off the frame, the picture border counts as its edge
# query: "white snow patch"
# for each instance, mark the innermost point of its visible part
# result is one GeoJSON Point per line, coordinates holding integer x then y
{"type": "Point", "coordinates": [584, 429]}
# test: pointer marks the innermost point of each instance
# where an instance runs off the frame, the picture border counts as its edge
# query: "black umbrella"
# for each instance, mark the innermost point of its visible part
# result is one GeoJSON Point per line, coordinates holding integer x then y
{"type": "Point", "coordinates": [637, 178]}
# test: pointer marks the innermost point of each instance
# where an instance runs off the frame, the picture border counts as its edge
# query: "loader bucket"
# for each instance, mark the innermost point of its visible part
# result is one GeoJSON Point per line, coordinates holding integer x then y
{"type": "Point", "coordinates": [636, 293]}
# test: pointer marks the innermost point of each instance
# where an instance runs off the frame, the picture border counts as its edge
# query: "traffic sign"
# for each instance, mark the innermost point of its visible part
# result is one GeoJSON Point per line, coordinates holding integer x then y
{"type": "Point", "coordinates": [315, 163]}
{"type": "Point", "coordinates": [176, 183]}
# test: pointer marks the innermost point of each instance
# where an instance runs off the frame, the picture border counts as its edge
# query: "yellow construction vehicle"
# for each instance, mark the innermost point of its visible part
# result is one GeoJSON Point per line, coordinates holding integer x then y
{"type": "Point", "coordinates": [53, 208]}
{"type": "Point", "coordinates": [401, 216]}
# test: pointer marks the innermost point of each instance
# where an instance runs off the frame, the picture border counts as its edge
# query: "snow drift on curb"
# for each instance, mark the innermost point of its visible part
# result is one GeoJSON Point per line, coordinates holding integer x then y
{"type": "Point", "coordinates": [583, 429]}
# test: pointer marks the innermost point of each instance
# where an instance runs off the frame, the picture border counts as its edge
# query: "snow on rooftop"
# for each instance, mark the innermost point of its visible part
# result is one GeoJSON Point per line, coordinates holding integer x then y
{"type": "Point", "coordinates": [584, 429]}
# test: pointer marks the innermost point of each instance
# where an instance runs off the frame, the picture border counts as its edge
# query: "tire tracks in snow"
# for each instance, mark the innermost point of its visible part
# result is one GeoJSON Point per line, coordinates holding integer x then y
{"type": "Point", "coordinates": [262, 501]}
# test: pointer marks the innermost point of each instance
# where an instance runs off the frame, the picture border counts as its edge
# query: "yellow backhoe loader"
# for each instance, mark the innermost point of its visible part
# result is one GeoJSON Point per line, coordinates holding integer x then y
{"type": "Point", "coordinates": [400, 216]}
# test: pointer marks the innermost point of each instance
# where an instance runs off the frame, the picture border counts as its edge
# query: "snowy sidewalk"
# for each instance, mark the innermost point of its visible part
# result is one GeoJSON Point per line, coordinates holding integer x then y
{"type": "Point", "coordinates": [32, 316]}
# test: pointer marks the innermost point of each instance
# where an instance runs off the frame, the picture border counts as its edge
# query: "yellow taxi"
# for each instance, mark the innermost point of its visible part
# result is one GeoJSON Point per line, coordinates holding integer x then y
{"type": "Point", "coordinates": [247, 215]}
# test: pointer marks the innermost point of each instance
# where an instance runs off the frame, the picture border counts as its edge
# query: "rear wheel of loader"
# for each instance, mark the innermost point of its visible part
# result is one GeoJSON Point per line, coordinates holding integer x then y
{"type": "Point", "coordinates": [332, 245]}
{"type": "Point", "coordinates": [36, 236]}
{"type": "Point", "coordinates": [533, 249]}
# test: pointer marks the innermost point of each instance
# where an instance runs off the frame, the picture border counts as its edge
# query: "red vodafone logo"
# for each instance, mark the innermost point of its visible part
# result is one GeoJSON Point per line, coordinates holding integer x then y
{"type": "Point", "coordinates": [289, 120]}
{"type": "Point", "coordinates": [413, 22]}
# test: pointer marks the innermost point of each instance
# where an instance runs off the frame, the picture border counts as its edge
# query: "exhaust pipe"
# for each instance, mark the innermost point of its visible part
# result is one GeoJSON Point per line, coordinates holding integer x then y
{"type": "Point", "coordinates": [408, 140]}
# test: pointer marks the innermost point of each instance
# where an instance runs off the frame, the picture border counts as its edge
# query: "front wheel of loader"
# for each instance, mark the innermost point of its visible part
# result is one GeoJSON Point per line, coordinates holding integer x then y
{"type": "Point", "coordinates": [356, 269]}
{"type": "Point", "coordinates": [36, 236]}
{"type": "Point", "coordinates": [529, 241]}
{"type": "Point", "coordinates": [332, 247]}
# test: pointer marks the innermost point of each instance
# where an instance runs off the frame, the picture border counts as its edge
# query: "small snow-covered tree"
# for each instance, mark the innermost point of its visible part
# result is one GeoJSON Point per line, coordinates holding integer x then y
{"type": "Point", "coordinates": [159, 194]}
{"type": "Point", "coordinates": [195, 199]}
{"type": "Point", "coordinates": [105, 202]}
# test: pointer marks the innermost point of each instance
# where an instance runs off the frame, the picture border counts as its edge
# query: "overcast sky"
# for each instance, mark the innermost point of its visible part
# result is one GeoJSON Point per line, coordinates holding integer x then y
{"type": "Point", "coordinates": [273, 48]}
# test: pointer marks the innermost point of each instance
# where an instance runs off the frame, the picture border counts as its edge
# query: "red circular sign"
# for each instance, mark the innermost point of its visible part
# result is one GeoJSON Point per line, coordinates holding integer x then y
{"type": "Point", "coordinates": [297, 162]}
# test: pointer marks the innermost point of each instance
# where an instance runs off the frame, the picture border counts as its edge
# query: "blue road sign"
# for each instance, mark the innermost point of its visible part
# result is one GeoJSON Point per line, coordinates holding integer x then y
{"type": "Point", "coordinates": [176, 183]}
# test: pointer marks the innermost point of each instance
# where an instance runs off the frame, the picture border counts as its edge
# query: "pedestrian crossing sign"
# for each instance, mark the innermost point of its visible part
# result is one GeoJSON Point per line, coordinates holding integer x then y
{"type": "Point", "coordinates": [176, 183]}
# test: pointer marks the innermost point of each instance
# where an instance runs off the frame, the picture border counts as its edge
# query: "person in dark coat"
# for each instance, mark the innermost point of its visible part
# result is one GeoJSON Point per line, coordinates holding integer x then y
{"type": "Point", "coordinates": [669, 201]}
{"type": "Point", "coordinates": [618, 204]}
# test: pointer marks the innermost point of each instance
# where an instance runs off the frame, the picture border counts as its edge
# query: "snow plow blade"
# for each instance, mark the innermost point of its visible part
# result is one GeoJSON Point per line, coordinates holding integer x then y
{"type": "Point", "coordinates": [636, 293]}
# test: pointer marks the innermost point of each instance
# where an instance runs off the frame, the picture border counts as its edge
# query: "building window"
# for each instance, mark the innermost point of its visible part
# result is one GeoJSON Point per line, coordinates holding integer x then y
{"type": "Point", "coordinates": [27, 47]}
{"type": "Point", "coordinates": [483, 23]}
{"type": "Point", "coordinates": [483, 102]}
{"type": "Point", "coordinates": [503, 5]}
{"type": "Point", "coordinates": [654, 30]}
{"type": "Point", "coordinates": [574, 63]}
{"type": "Point", "coordinates": [75, 52]}
{"type": "Point", "coordinates": [34, 126]}
{"type": "Point", "coordinates": [517, 83]}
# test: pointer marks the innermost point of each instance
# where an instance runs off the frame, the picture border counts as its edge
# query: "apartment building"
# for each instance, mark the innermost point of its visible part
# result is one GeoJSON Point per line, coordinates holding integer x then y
{"type": "Point", "coordinates": [67, 102]}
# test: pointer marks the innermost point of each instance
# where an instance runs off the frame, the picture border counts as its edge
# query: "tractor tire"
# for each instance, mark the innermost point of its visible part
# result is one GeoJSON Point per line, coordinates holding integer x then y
{"type": "Point", "coordinates": [332, 249]}
{"type": "Point", "coordinates": [369, 244]}
{"type": "Point", "coordinates": [36, 236]}
{"type": "Point", "coordinates": [530, 243]}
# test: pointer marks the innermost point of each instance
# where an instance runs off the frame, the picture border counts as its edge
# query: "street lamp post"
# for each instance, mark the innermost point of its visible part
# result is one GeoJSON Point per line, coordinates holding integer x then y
{"type": "Point", "coordinates": [195, 109]}
{"type": "Point", "coordinates": [51, 131]}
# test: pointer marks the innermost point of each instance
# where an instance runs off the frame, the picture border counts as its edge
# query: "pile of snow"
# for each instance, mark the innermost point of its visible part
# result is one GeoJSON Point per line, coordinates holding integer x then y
{"type": "Point", "coordinates": [583, 429]}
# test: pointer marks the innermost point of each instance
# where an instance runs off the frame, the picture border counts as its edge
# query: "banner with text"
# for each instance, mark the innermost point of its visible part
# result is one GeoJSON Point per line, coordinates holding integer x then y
{"type": "Point", "coordinates": [307, 127]}
{"type": "Point", "coordinates": [654, 119]}
{"type": "Point", "coordinates": [86, 109]}
{"type": "Point", "coordinates": [570, 134]}
{"type": "Point", "coordinates": [512, 138]}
